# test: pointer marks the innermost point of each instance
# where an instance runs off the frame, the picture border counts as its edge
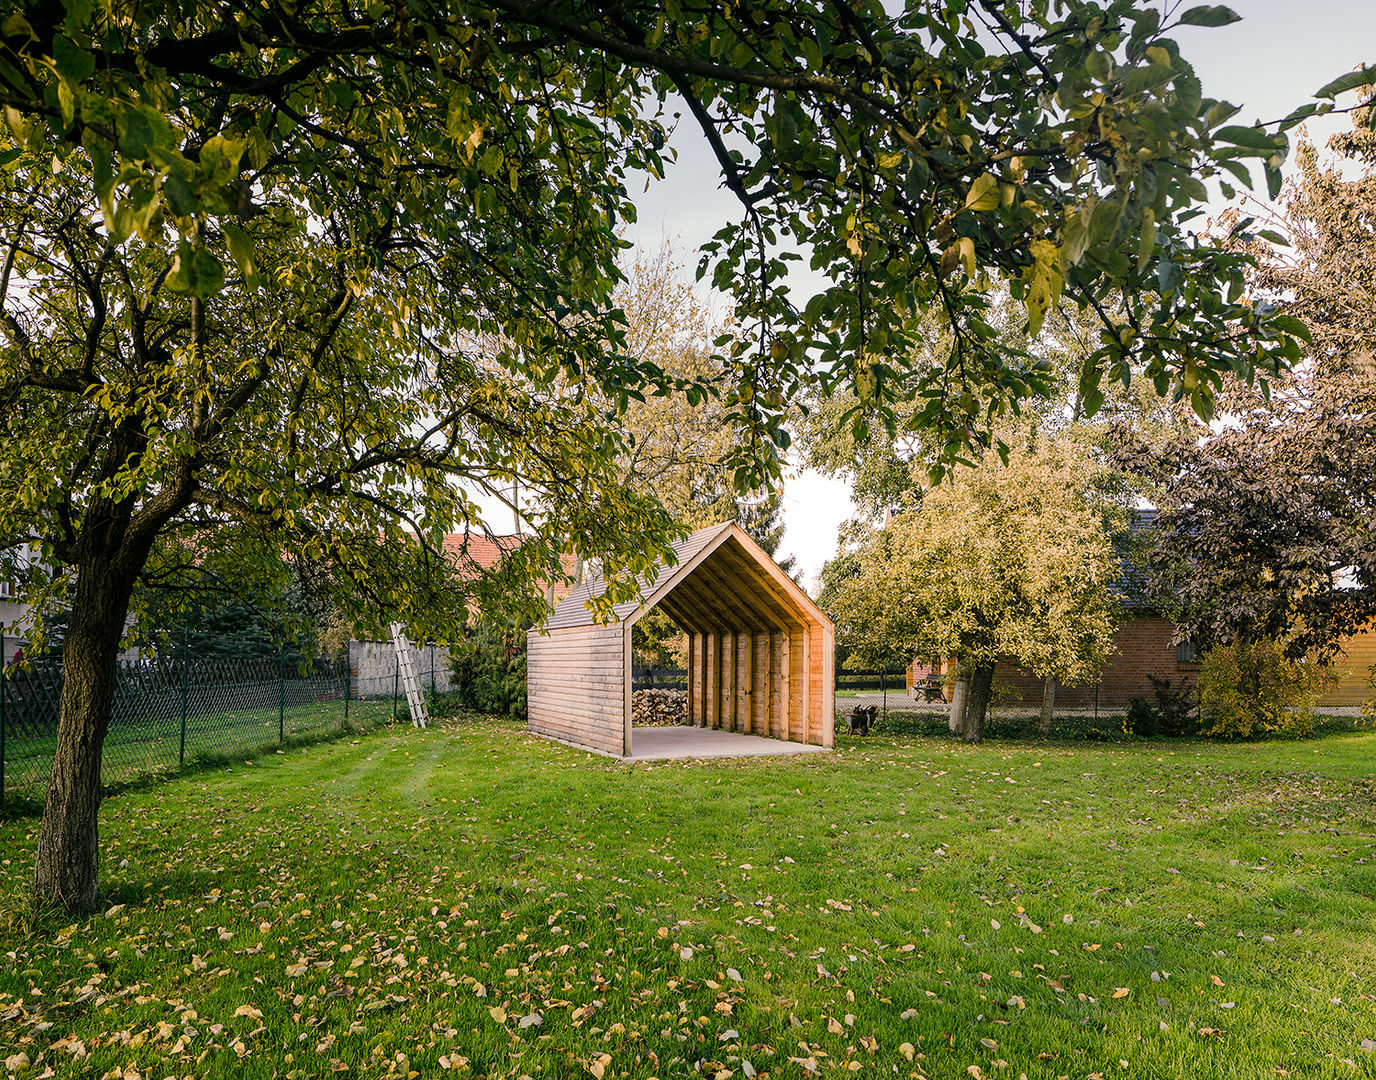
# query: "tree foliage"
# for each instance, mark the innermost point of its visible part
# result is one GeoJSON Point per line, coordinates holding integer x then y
{"type": "Point", "coordinates": [678, 446]}
{"type": "Point", "coordinates": [1267, 527]}
{"type": "Point", "coordinates": [1250, 689]}
{"type": "Point", "coordinates": [1002, 561]}
{"type": "Point", "coordinates": [919, 156]}
{"type": "Point", "coordinates": [277, 276]}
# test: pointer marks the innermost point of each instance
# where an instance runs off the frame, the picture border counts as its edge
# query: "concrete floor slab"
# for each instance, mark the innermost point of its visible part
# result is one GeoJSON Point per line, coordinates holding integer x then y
{"type": "Point", "coordinates": [670, 743]}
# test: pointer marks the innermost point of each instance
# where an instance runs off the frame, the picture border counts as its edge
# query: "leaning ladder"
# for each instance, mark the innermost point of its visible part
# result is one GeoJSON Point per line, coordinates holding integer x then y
{"type": "Point", "coordinates": [406, 664]}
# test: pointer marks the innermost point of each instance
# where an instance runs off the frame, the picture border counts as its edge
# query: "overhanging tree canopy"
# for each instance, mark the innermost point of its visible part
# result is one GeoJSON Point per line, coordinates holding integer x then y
{"type": "Point", "coordinates": [280, 273]}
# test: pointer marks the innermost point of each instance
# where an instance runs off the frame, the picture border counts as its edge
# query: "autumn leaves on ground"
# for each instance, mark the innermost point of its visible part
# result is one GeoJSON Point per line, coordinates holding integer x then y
{"type": "Point", "coordinates": [472, 900]}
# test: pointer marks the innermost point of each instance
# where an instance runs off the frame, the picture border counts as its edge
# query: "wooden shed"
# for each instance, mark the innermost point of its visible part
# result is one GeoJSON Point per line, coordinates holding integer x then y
{"type": "Point", "coordinates": [760, 651]}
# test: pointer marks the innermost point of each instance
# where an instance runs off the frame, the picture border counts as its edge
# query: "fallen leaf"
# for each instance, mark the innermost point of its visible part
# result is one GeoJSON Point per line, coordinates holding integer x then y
{"type": "Point", "coordinates": [1121, 992]}
{"type": "Point", "coordinates": [907, 1050]}
{"type": "Point", "coordinates": [497, 1013]}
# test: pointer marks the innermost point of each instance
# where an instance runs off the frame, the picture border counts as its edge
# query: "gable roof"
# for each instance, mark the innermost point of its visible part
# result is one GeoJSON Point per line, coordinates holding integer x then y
{"type": "Point", "coordinates": [720, 580]}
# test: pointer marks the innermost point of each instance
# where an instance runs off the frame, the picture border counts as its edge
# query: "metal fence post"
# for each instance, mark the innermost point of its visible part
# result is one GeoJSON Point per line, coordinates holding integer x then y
{"type": "Point", "coordinates": [432, 669]}
{"type": "Point", "coordinates": [348, 685]}
{"type": "Point", "coordinates": [282, 693]}
{"type": "Point", "coordinates": [186, 675]}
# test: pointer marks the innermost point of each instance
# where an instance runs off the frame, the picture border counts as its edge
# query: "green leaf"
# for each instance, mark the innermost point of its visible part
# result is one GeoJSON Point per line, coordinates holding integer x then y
{"type": "Point", "coordinates": [1363, 76]}
{"type": "Point", "coordinates": [73, 62]}
{"type": "Point", "coordinates": [79, 13]}
{"type": "Point", "coordinates": [196, 271]}
{"type": "Point", "coordinates": [1210, 15]}
{"type": "Point", "coordinates": [135, 134]}
{"type": "Point", "coordinates": [1146, 243]}
{"type": "Point", "coordinates": [181, 199]}
{"type": "Point", "coordinates": [1250, 137]}
{"type": "Point", "coordinates": [1274, 237]}
{"type": "Point", "coordinates": [241, 250]}
{"type": "Point", "coordinates": [983, 194]}
{"type": "Point", "coordinates": [1273, 179]}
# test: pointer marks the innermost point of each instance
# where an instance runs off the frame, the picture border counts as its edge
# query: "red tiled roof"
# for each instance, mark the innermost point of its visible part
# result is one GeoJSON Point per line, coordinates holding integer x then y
{"type": "Point", "coordinates": [475, 551]}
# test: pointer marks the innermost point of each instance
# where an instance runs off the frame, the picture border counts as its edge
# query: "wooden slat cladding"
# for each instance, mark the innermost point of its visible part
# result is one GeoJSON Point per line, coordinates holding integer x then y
{"type": "Point", "coordinates": [575, 685]}
{"type": "Point", "coordinates": [759, 653]}
{"type": "Point", "coordinates": [1352, 670]}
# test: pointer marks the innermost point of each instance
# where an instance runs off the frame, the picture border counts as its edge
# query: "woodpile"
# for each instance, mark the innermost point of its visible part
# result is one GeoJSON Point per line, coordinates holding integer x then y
{"type": "Point", "coordinates": [659, 708]}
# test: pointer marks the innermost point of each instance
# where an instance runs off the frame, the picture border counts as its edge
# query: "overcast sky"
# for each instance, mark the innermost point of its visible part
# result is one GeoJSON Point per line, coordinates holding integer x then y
{"type": "Point", "coordinates": [1269, 63]}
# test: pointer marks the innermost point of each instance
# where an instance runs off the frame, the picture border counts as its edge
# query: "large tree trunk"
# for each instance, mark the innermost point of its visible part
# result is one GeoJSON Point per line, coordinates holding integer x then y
{"type": "Point", "coordinates": [959, 698]}
{"type": "Point", "coordinates": [1048, 705]}
{"type": "Point", "coordinates": [981, 684]}
{"type": "Point", "coordinates": [67, 868]}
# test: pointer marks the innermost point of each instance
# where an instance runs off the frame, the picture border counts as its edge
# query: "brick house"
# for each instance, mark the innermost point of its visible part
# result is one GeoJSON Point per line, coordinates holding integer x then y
{"type": "Point", "coordinates": [1143, 647]}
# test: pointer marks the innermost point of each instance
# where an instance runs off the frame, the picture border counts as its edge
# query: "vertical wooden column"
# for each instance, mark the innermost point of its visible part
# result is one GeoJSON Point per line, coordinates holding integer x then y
{"type": "Point", "coordinates": [694, 679]}
{"type": "Point", "coordinates": [759, 683]}
{"type": "Point", "coordinates": [805, 689]}
{"type": "Point", "coordinates": [745, 681]}
{"type": "Point", "coordinates": [828, 687]}
{"type": "Point", "coordinates": [728, 681]}
{"type": "Point", "coordinates": [710, 670]}
{"type": "Point", "coordinates": [627, 683]}
{"type": "Point", "coordinates": [786, 685]}
{"type": "Point", "coordinates": [775, 685]}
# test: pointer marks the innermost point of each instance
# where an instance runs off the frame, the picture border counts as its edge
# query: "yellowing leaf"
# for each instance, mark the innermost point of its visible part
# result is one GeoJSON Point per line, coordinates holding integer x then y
{"type": "Point", "coordinates": [497, 1013]}
{"type": "Point", "coordinates": [907, 1050]}
{"type": "Point", "coordinates": [983, 193]}
{"type": "Point", "coordinates": [1121, 992]}
{"type": "Point", "coordinates": [248, 1010]}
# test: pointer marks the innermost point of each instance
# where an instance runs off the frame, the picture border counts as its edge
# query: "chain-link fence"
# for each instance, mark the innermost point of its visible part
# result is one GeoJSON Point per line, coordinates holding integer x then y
{"type": "Point", "coordinates": [177, 710]}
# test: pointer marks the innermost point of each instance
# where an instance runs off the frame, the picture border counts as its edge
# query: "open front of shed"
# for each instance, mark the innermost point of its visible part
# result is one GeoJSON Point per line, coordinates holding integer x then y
{"type": "Point", "coordinates": [760, 651]}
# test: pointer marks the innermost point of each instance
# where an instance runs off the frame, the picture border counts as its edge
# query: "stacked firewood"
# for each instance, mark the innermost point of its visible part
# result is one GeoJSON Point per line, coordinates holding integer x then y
{"type": "Point", "coordinates": [659, 708]}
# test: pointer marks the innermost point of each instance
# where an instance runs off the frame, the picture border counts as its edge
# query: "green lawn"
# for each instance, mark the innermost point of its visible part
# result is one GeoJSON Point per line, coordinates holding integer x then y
{"type": "Point", "coordinates": [471, 899]}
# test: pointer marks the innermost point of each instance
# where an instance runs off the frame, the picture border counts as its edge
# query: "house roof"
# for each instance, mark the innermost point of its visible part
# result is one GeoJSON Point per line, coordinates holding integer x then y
{"type": "Point", "coordinates": [719, 580]}
{"type": "Point", "coordinates": [473, 553]}
{"type": "Point", "coordinates": [1132, 548]}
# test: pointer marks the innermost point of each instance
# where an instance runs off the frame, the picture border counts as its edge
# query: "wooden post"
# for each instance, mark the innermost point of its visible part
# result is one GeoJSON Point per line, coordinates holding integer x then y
{"type": "Point", "coordinates": [709, 670]}
{"type": "Point", "coordinates": [827, 706]}
{"type": "Point", "coordinates": [744, 681]}
{"type": "Point", "coordinates": [626, 658]}
{"type": "Point", "coordinates": [786, 684]}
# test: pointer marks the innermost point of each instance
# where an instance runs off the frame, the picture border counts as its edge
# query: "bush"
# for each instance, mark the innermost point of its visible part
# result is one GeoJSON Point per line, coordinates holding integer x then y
{"type": "Point", "coordinates": [490, 671]}
{"type": "Point", "coordinates": [1249, 689]}
{"type": "Point", "coordinates": [1175, 706]}
{"type": "Point", "coordinates": [1170, 713]}
{"type": "Point", "coordinates": [1141, 718]}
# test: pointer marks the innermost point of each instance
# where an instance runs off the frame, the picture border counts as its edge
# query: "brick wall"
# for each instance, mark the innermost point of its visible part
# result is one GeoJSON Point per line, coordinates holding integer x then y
{"type": "Point", "coordinates": [1143, 646]}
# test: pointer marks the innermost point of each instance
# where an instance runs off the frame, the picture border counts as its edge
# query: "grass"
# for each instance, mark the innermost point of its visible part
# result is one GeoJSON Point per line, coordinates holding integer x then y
{"type": "Point", "coordinates": [149, 745]}
{"type": "Point", "coordinates": [470, 899]}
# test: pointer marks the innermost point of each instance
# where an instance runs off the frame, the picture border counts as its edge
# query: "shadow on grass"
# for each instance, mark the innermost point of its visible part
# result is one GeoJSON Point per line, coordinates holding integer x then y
{"type": "Point", "coordinates": [1079, 729]}
{"type": "Point", "coordinates": [17, 806]}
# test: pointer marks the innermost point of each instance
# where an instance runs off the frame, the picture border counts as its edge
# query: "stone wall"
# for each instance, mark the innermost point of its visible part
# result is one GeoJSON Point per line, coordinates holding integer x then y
{"type": "Point", "coordinates": [373, 667]}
